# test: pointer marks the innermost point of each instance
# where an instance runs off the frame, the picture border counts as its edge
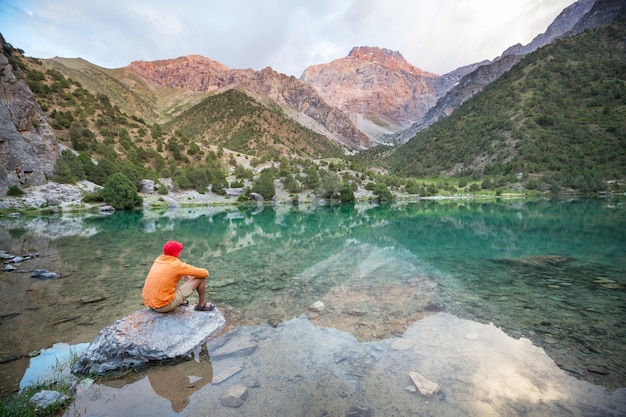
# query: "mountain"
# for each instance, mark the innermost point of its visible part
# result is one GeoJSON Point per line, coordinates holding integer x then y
{"type": "Point", "coordinates": [200, 74]}
{"type": "Point", "coordinates": [28, 146]}
{"type": "Point", "coordinates": [580, 16]}
{"type": "Point", "coordinates": [236, 121]}
{"type": "Point", "coordinates": [167, 116]}
{"type": "Point", "coordinates": [554, 120]}
{"type": "Point", "coordinates": [377, 88]}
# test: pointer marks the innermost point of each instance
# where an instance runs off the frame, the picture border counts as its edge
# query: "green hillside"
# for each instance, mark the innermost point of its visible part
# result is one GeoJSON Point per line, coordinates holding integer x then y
{"type": "Point", "coordinates": [130, 93]}
{"type": "Point", "coordinates": [197, 149]}
{"type": "Point", "coordinates": [238, 122]}
{"type": "Point", "coordinates": [556, 121]}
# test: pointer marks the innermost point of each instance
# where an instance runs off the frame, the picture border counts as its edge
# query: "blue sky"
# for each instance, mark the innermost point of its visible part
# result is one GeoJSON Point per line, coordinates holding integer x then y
{"type": "Point", "coordinates": [287, 35]}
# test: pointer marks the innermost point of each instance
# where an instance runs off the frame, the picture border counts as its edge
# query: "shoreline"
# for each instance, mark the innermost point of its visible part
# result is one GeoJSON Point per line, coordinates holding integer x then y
{"type": "Point", "coordinates": [52, 198]}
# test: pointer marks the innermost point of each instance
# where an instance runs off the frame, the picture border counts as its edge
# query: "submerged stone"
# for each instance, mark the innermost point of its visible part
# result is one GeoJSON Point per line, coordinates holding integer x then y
{"type": "Point", "coordinates": [423, 384]}
{"type": "Point", "coordinates": [235, 396]}
{"type": "Point", "coordinates": [147, 336]}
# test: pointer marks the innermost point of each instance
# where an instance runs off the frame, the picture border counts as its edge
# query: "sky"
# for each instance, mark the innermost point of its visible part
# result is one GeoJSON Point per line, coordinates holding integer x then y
{"type": "Point", "coordinates": [437, 36]}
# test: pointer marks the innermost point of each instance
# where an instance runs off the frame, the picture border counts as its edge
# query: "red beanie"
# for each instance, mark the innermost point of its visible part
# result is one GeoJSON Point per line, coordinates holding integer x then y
{"type": "Point", "coordinates": [172, 248]}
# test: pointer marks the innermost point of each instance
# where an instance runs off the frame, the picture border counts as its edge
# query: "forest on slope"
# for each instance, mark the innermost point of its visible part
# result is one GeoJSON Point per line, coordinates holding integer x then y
{"type": "Point", "coordinates": [556, 120]}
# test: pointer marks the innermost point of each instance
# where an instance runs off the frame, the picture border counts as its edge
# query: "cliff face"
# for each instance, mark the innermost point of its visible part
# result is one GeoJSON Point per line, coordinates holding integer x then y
{"type": "Point", "coordinates": [202, 74]}
{"type": "Point", "coordinates": [28, 146]}
{"type": "Point", "coordinates": [377, 87]}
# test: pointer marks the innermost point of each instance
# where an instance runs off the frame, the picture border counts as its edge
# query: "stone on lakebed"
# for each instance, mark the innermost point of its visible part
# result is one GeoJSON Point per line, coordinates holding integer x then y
{"type": "Point", "coordinates": [147, 336]}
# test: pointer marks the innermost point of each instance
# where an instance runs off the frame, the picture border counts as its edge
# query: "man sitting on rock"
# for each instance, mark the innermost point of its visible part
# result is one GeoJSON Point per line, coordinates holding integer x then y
{"type": "Point", "coordinates": [161, 291]}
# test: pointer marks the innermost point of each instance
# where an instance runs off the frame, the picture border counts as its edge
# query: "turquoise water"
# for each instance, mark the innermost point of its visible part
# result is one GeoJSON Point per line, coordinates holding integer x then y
{"type": "Point", "coordinates": [550, 271]}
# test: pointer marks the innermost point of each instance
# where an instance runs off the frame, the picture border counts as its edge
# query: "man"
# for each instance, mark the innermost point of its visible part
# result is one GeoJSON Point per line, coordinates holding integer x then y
{"type": "Point", "coordinates": [161, 291]}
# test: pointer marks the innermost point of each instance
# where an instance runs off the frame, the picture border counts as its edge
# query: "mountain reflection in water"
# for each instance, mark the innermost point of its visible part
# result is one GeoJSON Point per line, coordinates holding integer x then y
{"type": "Point", "coordinates": [549, 272]}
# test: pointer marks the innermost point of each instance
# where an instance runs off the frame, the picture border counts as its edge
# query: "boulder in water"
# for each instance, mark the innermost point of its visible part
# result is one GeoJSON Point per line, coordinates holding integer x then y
{"type": "Point", "coordinates": [147, 336]}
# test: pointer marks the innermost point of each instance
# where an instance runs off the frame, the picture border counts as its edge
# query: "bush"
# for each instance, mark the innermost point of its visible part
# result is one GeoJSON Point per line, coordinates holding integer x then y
{"type": "Point", "coordinates": [382, 192]}
{"type": "Point", "coordinates": [14, 191]}
{"type": "Point", "coordinates": [94, 197]}
{"type": "Point", "coordinates": [264, 185]}
{"type": "Point", "coordinates": [121, 193]}
{"type": "Point", "coordinates": [346, 194]}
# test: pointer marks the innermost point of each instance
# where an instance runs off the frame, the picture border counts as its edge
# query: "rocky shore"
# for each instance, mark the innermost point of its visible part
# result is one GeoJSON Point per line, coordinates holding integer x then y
{"type": "Point", "coordinates": [55, 197]}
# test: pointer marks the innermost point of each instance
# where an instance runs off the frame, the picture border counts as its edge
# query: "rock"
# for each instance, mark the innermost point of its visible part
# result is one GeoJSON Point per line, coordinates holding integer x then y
{"type": "Point", "coordinates": [147, 336]}
{"type": "Point", "coordinates": [402, 344]}
{"type": "Point", "coordinates": [538, 261]}
{"type": "Point", "coordinates": [46, 398]}
{"type": "Point", "coordinates": [235, 396]}
{"type": "Point", "coordinates": [225, 375]}
{"type": "Point", "coordinates": [92, 299]}
{"type": "Point", "coordinates": [234, 192]}
{"type": "Point", "coordinates": [28, 145]}
{"type": "Point", "coordinates": [171, 203]}
{"type": "Point", "coordinates": [235, 347]}
{"type": "Point", "coordinates": [317, 306]}
{"type": "Point", "coordinates": [107, 209]}
{"type": "Point", "coordinates": [44, 274]}
{"type": "Point", "coordinates": [256, 197]}
{"type": "Point", "coordinates": [359, 411]}
{"type": "Point", "coordinates": [9, 268]}
{"type": "Point", "coordinates": [146, 187]}
{"type": "Point", "coordinates": [423, 384]}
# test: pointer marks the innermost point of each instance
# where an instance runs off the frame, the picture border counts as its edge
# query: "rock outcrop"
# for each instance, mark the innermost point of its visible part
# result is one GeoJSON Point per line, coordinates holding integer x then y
{"type": "Point", "coordinates": [201, 74]}
{"type": "Point", "coordinates": [146, 336]}
{"type": "Point", "coordinates": [377, 87]}
{"type": "Point", "coordinates": [28, 146]}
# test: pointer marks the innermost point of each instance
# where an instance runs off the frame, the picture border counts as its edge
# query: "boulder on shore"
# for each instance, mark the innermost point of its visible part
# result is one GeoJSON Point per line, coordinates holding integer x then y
{"type": "Point", "coordinates": [147, 336]}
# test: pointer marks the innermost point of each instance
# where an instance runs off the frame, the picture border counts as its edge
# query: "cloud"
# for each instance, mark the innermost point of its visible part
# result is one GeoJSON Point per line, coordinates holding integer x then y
{"type": "Point", "coordinates": [435, 35]}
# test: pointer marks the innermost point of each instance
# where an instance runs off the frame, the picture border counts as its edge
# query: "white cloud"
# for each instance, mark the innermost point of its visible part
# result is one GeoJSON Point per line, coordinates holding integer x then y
{"type": "Point", "coordinates": [288, 35]}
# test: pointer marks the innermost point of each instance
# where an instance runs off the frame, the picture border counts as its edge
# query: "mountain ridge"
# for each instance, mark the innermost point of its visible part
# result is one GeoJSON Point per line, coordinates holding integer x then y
{"type": "Point", "coordinates": [201, 74]}
{"type": "Point", "coordinates": [376, 87]}
{"type": "Point", "coordinates": [101, 111]}
{"type": "Point", "coordinates": [579, 16]}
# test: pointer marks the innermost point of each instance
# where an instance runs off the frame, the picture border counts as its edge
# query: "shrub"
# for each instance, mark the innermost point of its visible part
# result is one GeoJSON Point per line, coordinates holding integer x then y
{"type": "Point", "coordinates": [291, 184]}
{"type": "Point", "coordinates": [382, 192]}
{"type": "Point", "coordinates": [346, 194]}
{"type": "Point", "coordinates": [14, 191]}
{"type": "Point", "coordinates": [264, 185]}
{"type": "Point", "coordinates": [121, 193]}
{"type": "Point", "coordinates": [94, 197]}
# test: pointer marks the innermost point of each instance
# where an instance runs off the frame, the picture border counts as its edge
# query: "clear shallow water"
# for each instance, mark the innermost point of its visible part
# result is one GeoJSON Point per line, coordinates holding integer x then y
{"type": "Point", "coordinates": [551, 272]}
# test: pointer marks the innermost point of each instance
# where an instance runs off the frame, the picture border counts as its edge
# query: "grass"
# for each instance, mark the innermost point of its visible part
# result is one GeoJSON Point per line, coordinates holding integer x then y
{"type": "Point", "coordinates": [19, 405]}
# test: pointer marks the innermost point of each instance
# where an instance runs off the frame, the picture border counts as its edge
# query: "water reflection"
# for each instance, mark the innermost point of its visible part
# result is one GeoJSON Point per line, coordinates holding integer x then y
{"type": "Point", "coordinates": [299, 369]}
{"type": "Point", "coordinates": [377, 269]}
{"type": "Point", "coordinates": [178, 383]}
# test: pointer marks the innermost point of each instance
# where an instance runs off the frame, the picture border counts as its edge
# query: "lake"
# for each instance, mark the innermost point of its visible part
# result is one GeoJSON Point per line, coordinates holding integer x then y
{"type": "Point", "coordinates": [512, 307]}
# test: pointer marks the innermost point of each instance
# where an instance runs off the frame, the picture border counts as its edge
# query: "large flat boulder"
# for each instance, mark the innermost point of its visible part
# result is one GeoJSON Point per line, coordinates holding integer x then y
{"type": "Point", "coordinates": [146, 336]}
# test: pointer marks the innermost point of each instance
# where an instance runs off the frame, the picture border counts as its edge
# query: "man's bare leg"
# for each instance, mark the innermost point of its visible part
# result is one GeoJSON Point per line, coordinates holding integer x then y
{"type": "Point", "coordinates": [198, 284]}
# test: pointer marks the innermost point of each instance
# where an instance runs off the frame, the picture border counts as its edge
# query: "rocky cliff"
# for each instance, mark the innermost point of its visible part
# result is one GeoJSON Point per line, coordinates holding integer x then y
{"type": "Point", "coordinates": [377, 87]}
{"type": "Point", "coordinates": [28, 146]}
{"type": "Point", "coordinates": [198, 73]}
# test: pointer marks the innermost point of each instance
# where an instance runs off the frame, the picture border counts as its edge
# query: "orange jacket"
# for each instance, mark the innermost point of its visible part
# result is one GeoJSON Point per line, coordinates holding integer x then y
{"type": "Point", "coordinates": [166, 272]}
